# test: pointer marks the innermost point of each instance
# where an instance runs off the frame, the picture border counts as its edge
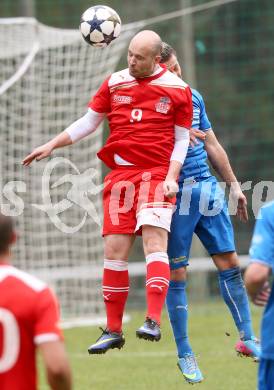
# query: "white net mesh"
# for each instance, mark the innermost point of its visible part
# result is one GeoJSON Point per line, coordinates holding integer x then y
{"type": "Point", "coordinates": [47, 76]}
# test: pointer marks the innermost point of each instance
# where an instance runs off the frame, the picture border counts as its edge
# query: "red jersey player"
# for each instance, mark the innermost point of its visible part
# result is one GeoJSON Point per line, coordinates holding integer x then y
{"type": "Point", "coordinates": [149, 112]}
{"type": "Point", "coordinates": [28, 318]}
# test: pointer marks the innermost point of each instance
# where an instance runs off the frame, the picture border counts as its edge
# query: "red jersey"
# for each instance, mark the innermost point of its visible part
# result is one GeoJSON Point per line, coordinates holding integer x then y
{"type": "Point", "coordinates": [142, 114]}
{"type": "Point", "coordinates": [28, 317]}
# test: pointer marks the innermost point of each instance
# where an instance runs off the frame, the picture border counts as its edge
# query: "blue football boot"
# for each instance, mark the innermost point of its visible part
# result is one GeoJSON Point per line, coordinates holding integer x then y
{"type": "Point", "coordinates": [149, 331]}
{"type": "Point", "coordinates": [108, 340]}
{"type": "Point", "coordinates": [189, 368]}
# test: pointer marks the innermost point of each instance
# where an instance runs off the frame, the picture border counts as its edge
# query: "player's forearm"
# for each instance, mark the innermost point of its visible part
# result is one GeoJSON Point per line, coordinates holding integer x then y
{"type": "Point", "coordinates": [253, 288]}
{"type": "Point", "coordinates": [61, 381]}
{"type": "Point", "coordinates": [79, 129]}
{"type": "Point", "coordinates": [220, 162]}
{"type": "Point", "coordinates": [59, 374]}
{"type": "Point", "coordinates": [170, 185]}
{"type": "Point", "coordinates": [173, 170]}
{"type": "Point", "coordinates": [57, 365]}
{"type": "Point", "coordinates": [255, 277]}
{"type": "Point", "coordinates": [76, 131]}
{"type": "Point", "coordinates": [61, 140]}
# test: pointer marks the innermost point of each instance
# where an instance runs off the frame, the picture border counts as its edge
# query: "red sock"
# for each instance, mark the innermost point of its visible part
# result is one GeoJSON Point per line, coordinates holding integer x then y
{"type": "Point", "coordinates": [115, 292]}
{"type": "Point", "coordinates": [157, 281]}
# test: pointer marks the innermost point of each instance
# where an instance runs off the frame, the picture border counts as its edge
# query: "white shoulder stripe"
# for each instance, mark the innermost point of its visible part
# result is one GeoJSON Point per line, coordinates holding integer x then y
{"type": "Point", "coordinates": [122, 76]}
{"type": "Point", "coordinates": [169, 79]}
{"type": "Point", "coordinates": [31, 281]}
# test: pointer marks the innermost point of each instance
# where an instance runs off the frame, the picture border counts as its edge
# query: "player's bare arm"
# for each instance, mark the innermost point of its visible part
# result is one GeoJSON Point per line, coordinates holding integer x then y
{"type": "Point", "coordinates": [256, 282]}
{"type": "Point", "coordinates": [45, 150]}
{"type": "Point", "coordinates": [170, 183]}
{"type": "Point", "coordinates": [57, 365]}
{"type": "Point", "coordinates": [79, 129]}
{"type": "Point", "coordinates": [220, 162]}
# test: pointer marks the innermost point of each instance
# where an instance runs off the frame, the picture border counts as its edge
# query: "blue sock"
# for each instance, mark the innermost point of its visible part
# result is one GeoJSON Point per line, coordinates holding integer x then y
{"type": "Point", "coordinates": [178, 313]}
{"type": "Point", "coordinates": [234, 294]}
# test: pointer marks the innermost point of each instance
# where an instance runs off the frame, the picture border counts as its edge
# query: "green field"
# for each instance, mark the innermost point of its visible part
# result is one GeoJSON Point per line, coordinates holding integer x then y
{"type": "Point", "coordinates": [142, 365]}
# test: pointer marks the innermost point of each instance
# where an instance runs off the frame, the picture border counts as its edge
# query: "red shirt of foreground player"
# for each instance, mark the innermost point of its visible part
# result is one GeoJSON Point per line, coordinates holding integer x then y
{"type": "Point", "coordinates": [28, 317]}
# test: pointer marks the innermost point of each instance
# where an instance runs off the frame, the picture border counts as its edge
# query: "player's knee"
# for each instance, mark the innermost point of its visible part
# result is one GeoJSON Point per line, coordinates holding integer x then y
{"type": "Point", "coordinates": [154, 240]}
{"type": "Point", "coordinates": [116, 249]}
{"type": "Point", "coordinates": [114, 252]}
{"type": "Point", "coordinates": [224, 261]}
{"type": "Point", "coordinates": [179, 274]}
{"type": "Point", "coordinates": [152, 245]}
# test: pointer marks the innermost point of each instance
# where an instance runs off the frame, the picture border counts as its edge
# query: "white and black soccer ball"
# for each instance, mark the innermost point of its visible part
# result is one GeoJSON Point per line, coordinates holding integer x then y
{"type": "Point", "coordinates": [100, 25]}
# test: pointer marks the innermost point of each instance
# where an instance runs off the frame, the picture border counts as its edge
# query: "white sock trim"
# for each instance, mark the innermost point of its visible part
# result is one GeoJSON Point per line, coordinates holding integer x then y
{"type": "Point", "coordinates": [115, 289]}
{"type": "Point", "coordinates": [157, 279]}
{"type": "Point", "coordinates": [116, 265]}
{"type": "Point", "coordinates": [157, 256]}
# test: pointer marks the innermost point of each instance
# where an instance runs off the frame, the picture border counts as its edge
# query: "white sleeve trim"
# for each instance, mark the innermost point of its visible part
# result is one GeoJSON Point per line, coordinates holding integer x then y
{"type": "Point", "coordinates": [45, 338]}
{"type": "Point", "coordinates": [84, 126]}
{"type": "Point", "coordinates": [181, 144]}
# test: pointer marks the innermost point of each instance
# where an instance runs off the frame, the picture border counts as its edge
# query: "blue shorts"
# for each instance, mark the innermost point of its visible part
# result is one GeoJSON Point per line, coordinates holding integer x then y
{"type": "Point", "coordinates": [201, 209]}
{"type": "Point", "coordinates": [266, 374]}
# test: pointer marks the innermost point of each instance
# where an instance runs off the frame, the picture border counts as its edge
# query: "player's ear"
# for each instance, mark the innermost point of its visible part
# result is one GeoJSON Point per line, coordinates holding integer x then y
{"type": "Point", "coordinates": [158, 59]}
{"type": "Point", "coordinates": [177, 70]}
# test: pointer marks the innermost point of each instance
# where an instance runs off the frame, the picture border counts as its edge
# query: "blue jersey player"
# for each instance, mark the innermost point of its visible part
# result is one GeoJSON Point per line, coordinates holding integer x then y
{"type": "Point", "coordinates": [256, 279]}
{"type": "Point", "coordinates": [201, 209]}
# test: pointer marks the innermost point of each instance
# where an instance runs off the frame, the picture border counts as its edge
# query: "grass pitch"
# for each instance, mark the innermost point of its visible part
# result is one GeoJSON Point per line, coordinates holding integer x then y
{"type": "Point", "coordinates": [143, 365]}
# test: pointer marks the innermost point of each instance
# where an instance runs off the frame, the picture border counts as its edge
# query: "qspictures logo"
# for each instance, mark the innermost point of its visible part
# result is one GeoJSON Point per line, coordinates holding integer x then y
{"type": "Point", "coordinates": [82, 186]}
{"type": "Point", "coordinates": [83, 190]}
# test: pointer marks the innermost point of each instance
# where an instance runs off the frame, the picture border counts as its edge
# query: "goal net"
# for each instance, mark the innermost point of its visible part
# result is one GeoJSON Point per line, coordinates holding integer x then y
{"type": "Point", "coordinates": [47, 77]}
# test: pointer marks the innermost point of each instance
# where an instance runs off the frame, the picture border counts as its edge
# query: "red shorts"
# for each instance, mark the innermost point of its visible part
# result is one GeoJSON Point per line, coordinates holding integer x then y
{"type": "Point", "coordinates": [127, 191]}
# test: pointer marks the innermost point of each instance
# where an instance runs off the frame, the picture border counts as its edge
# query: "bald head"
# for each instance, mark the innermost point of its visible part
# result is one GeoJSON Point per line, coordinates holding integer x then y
{"type": "Point", "coordinates": [144, 53]}
{"type": "Point", "coordinates": [148, 39]}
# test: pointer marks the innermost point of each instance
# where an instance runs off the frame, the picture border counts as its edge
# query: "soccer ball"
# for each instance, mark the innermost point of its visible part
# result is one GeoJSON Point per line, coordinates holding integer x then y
{"type": "Point", "coordinates": [100, 25]}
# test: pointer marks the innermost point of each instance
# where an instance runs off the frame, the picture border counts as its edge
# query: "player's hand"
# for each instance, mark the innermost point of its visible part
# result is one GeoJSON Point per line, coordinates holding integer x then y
{"type": "Point", "coordinates": [170, 188]}
{"type": "Point", "coordinates": [242, 213]}
{"type": "Point", "coordinates": [240, 199]}
{"type": "Point", "coordinates": [38, 154]}
{"type": "Point", "coordinates": [194, 134]}
{"type": "Point", "coordinates": [261, 298]}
